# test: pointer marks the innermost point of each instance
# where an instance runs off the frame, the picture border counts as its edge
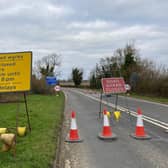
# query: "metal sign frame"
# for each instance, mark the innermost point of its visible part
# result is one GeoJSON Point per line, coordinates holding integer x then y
{"type": "Point", "coordinates": [6, 62]}
{"type": "Point", "coordinates": [17, 116]}
{"type": "Point", "coordinates": [111, 92]}
{"type": "Point", "coordinates": [18, 55]}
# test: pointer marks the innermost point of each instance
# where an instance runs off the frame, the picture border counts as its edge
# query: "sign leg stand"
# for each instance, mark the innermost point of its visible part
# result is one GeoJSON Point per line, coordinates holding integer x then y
{"type": "Point", "coordinates": [27, 113]}
{"type": "Point", "coordinates": [116, 102]}
{"type": "Point", "coordinates": [100, 105]}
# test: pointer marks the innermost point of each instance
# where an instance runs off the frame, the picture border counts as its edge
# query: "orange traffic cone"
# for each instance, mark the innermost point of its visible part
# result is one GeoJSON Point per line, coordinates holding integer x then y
{"type": "Point", "coordinates": [106, 133]}
{"type": "Point", "coordinates": [73, 135]}
{"type": "Point", "coordinates": [140, 131]}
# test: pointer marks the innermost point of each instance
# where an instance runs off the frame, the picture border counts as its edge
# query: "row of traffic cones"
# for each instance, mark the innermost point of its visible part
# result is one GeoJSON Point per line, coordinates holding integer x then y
{"type": "Point", "coordinates": [106, 133]}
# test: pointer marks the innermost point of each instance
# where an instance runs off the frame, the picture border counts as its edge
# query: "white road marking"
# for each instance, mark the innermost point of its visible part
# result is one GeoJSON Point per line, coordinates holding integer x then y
{"type": "Point", "coordinates": [153, 121]}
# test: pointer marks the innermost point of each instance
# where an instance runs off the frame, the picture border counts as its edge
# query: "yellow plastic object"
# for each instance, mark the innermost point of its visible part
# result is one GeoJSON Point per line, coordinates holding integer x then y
{"type": "Point", "coordinates": [3, 130]}
{"type": "Point", "coordinates": [21, 131]}
{"type": "Point", "coordinates": [117, 115]}
{"type": "Point", "coordinates": [108, 114]}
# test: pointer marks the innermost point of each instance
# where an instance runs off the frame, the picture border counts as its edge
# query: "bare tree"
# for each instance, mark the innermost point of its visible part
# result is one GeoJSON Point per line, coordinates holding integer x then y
{"type": "Point", "coordinates": [48, 65]}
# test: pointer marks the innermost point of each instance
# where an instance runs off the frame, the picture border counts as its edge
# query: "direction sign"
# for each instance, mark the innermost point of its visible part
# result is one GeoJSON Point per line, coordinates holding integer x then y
{"type": "Point", "coordinates": [113, 85]}
{"type": "Point", "coordinates": [51, 80]}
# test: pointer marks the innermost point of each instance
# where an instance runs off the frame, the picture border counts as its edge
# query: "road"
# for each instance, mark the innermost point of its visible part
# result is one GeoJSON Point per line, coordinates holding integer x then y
{"type": "Point", "coordinates": [125, 152]}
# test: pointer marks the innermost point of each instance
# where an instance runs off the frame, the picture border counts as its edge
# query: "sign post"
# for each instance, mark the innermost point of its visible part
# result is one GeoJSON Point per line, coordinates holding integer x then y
{"type": "Point", "coordinates": [112, 86]}
{"type": "Point", "coordinates": [15, 75]}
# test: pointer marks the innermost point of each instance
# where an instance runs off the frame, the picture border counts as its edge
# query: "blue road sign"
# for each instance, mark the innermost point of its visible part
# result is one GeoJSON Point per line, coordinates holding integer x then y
{"type": "Point", "coordinates": [51, 80]}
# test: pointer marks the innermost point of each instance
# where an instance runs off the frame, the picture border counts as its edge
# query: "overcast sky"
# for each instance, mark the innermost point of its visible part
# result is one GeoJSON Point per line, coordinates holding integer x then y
{"type": "Point", "coordinates": [83, 31]}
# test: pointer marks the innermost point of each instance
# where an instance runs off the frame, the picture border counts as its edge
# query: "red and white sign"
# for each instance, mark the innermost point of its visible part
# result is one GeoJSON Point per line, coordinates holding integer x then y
{"type": "Point", "coordinates": [113, 85]}
{"type": "Point", "coordinates": [57, 88]}
{"type": "Point", "coordinates": [127, 87]}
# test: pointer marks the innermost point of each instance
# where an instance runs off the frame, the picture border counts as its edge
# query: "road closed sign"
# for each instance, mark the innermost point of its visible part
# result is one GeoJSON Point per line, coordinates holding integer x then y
{"type": "Point", "coordinates": [113, 85]}
{"type": "Point", "coordinates": [15, 71]}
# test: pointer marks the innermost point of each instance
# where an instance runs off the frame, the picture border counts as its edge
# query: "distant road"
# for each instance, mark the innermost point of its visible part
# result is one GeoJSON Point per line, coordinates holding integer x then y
{"type": "Point", "coordinates": [125, 152]}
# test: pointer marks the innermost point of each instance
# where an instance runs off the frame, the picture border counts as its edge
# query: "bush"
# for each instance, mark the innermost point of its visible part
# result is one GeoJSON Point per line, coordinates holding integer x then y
{"type": "Point", "coordinates": [39, 86]}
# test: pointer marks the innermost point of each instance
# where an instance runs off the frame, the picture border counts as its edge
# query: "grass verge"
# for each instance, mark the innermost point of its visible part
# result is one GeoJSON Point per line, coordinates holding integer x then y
{"type": "Point", "coordinates": [36, 149]}
{"type": "Point", "coordinates": [150, 98]}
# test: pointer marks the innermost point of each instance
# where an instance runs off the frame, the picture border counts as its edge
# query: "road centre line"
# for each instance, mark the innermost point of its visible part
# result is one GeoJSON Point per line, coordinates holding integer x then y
{"type": "Point", "coordinates": [146, 117]}
{"type": "Point", "coordinates": [133, 113]}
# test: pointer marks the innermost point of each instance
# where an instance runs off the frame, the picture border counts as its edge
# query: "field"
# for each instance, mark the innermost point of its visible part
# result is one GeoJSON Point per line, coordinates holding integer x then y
{"type": "Point", "coordinates": [36, 149]}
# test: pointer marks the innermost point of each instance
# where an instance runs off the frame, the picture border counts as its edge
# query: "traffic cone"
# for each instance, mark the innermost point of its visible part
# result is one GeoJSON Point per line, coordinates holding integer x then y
{"type": "Point", "coordinates": [140, 131]}
{"type": "Point", "coordinates": [106, 133]}
{"type": "Point", "coordinates": [73, 135]}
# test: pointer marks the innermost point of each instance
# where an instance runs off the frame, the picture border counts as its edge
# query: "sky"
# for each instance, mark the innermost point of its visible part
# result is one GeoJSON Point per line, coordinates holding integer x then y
{"type": "Point", "coordinates": [83, 31]}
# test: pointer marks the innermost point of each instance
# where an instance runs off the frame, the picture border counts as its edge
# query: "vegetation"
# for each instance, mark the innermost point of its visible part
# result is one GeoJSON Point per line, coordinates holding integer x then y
{"type": "Point", "coordinates": [36, 149]}
{"type": "Point", "coordinates": [48, 65]}
{"type": "Point", "coordinates": [142, 75]}
{"type": "Point", "coordinates": [39, 86]}
{"type": "Point", "coordinates": [150, 98]}
{"type": "Point", "coordinates": [77, 76]}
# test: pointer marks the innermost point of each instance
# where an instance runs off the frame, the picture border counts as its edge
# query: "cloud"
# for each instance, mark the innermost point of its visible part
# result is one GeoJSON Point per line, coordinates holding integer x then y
{"type": "Point", "coordinates": [35, 10]}
{"type": "Point", "coordinates": [59, 10]}
{"type": "Point", "coordinates": [84, 31]}
{"type": "Point", "coordinates": [97, 24]}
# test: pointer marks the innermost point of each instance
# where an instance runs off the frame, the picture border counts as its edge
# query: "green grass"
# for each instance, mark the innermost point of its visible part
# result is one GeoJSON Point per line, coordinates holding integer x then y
{"type": "Point", "coordinates": [150, 98]}
{"type": "Point", "coordinates": [36, 149]}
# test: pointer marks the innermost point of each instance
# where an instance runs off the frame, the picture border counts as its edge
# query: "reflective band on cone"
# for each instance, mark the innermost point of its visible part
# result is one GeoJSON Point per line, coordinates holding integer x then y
{"type": "Point", "coordinates": [139, 130]}
{"type": "Point", "coordinates": [73, 135]}
{"type": "Point", "coordinates": [106, 133]}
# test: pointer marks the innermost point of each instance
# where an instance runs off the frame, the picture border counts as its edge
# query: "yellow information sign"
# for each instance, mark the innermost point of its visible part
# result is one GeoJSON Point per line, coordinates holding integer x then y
{"type": "Point", "coordinates": [15, 71]}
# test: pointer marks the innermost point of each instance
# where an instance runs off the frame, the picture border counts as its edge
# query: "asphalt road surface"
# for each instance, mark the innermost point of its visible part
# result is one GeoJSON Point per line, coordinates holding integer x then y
{"type": "Point", "coordinates": [125, 152]}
